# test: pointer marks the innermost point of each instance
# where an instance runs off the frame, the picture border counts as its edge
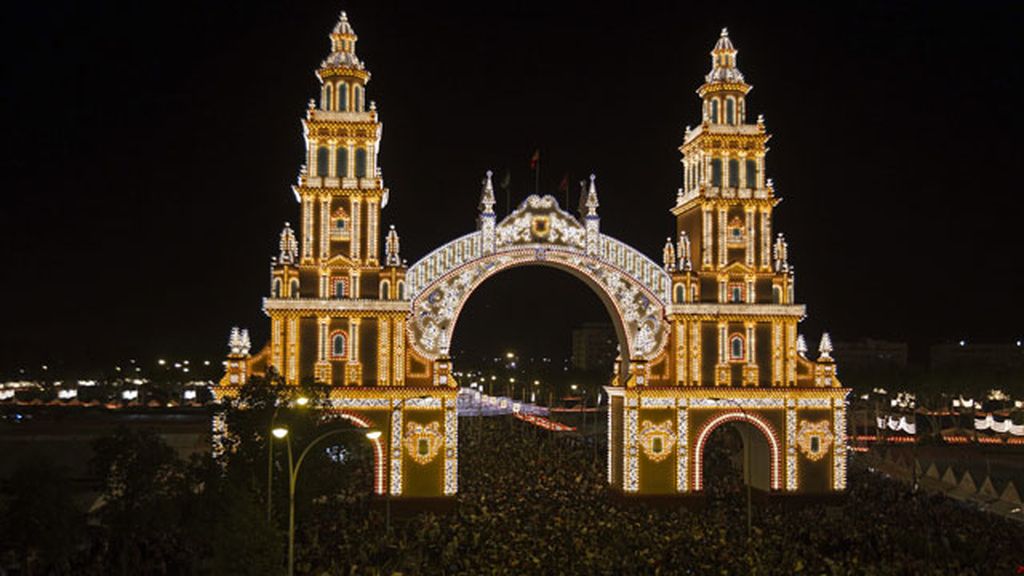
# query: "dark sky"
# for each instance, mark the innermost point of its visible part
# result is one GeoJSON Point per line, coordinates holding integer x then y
{"type": "Point", "coordinates": [149, 148]}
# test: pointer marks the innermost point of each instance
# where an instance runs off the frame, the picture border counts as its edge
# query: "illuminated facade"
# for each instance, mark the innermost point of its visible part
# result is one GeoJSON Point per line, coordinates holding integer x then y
{"type": "Point", "coordinates": [706, 339]}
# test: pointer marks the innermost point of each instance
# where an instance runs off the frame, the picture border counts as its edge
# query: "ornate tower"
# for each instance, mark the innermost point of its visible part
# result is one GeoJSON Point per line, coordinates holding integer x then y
{"type": "Point", "coordinates": [322, 326]}
{"type": "Point", "coordinates": [725, 255]}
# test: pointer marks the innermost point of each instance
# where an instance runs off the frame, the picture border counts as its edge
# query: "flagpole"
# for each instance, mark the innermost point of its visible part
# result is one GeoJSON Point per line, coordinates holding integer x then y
{"type": "Point", "coordinates": [536, 176]}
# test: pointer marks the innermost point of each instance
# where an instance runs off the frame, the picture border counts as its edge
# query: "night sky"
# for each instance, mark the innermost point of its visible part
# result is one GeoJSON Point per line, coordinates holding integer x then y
{"type": "Point", "coordinates": [149, 148]}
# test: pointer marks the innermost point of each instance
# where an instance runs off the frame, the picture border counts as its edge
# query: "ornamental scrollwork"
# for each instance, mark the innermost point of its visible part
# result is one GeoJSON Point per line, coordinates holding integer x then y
{"type": "Point", "coordinates": [422, 443]}
{"type": "Point", "coordinates": [657, 440]}
{"type": "Point", "coordinates": [814, 439]}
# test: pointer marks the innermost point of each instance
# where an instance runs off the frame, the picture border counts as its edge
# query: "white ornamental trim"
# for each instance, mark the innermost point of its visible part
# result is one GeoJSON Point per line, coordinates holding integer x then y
{"type": "Point", "coordinates": [657, 402]}
{"type": "Point", "coordinates": [682, 451]}
{"type": "Point", "coordinates": [359, 402]}
{"type": "Point", "coordinates": [333, 305]}
{"type": "Point", "coordinates": [396, 451]}
{"type": "Point", "coordinates": [814, 402]}
{"type": "Point", "coordinates": [791, 461]}
{"type": "Point", "coordinates": [632, 479]}
{"type": "Point", "coordinates": [710, 309]}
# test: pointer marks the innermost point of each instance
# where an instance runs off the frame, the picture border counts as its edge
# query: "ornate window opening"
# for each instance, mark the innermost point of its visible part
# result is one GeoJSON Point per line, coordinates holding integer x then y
{"type": "Point", "coordinates": [736, 348]}
{"type": "Point", "coordinates": [293, 288]}
{"type": "Point", "coordinates": [328, 97]}
{"type": "Point", "coordinates": [358, 98]}
{"type": "Point", "coordinates": [341, 162]}
{"type": "Point", "coordinates": [736, 232]}
{"type": "Point", "coordinates": [776, 294]}
{"type": "Point", "coordinates": [275, 288]}
{"type": "Point", "coordinates": [751, 170]}
{"type": "Point", "coordinates": [401, 290]}
{"type": "Point", "coordinates": [339, 346]}
{"type": "Point", "coordinates": [342, 96]}
{"type": "Point", "coordinates": [339, 287]}
{"type": "Point", "coordinates": [730, 110]}
{"type": "Point", "coordinates": [734, 173]}
{"type": "Point", "coordinates": [385, 290]}
{"type": "Point", "coordinates": [737, 292]}
{"type": "Point", "coordinates": [716, 172]}
{"type": "Point", "coordinates": [714, 111]}
{"type": "Point", "coordinates": [340, 229]}
{"type": "Point", "coordinates": [360, 162]}
{"type": "Point", "coordinates": [322, 161]}
{"type": "Point", "coordinates": [680, 294]}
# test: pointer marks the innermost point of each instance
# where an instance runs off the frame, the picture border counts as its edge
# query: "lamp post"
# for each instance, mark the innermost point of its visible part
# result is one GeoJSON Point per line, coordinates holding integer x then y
{"type": "Point", "coordinates": [301, 402]}
{"type": "Point", "coordinates": [746, 465]}
{"type": "Point", "coordinates": [293, 476]}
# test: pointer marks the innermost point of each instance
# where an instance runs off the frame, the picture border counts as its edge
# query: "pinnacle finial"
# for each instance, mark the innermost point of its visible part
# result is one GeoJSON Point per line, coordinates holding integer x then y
{"type": "Point", "coordinates": [825, 348]}
{"type": "Point", "coordinates": [724, 34]}
{"type": "Point", "coordinates": [801, 345]}
{"type": "Point", "coordinates": [392, 248]}
{"type": "Point", "coordinates": [487, 195]}
{"type": "Point", "coordinates": [669, 255]}
{"type": "Point", "coordinates": [592, 202]}
{"type": "Point", "coordinates": [289, 247]}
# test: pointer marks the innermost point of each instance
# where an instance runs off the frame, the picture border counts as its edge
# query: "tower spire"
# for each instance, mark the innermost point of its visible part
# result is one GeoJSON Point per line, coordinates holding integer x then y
{"type": "Point", "coordinates": [592, 202]}
{"type": "Point", "coordinates": [487, 195]}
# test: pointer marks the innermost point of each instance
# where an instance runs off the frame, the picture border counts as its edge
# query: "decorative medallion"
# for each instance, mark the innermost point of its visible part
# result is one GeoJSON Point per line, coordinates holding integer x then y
{"type": "Point", "coordinates": [657, 440]}
{"type": "Point", "coordinates": [814, 439]}
{"type": "Point", "coordinates": [421, 442]}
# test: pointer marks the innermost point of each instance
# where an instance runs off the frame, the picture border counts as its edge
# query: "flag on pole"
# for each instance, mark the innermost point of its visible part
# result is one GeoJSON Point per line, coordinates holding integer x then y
{"type": "Point", "coordinates": [535, 159]}
{"type": "Point", "coordinates": [506, 180]}
{"type": "Point", "coordinates": [563, 186]}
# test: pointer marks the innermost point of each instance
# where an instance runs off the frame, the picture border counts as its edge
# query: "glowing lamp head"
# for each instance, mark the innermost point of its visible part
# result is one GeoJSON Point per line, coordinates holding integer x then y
{"type": "Point", "coordinates": [373, 434]}
{"type": "Point", "coordinates": [279, 432]}
{"type": "Point", "coordinates": [302, 401]}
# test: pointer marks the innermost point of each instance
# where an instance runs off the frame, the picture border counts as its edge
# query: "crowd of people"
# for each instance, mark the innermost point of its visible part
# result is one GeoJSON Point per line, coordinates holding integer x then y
{"type": "Point", "coordinates": [534, 502]}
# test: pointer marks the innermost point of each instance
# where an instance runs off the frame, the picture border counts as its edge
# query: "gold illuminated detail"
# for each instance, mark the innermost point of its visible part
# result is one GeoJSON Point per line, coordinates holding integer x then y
{"type": "Point", "coordinates": [814, 439]}
{"type": "Point", "coordinates": [657, 440]}
{"type": "Point", "coordinates": [422, 443]}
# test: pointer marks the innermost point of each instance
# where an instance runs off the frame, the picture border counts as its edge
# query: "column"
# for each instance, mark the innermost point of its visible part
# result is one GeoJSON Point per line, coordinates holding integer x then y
{"type": "Point", "coordinates": [325, 227]}
{"type": "Point", "coordinates": [307, 227]}
{"type": "Point", "coordinates": [723, 231]}
{"type": "Point", "coordinates": [791, 353]}
{"type": "Point", "coordinates": [399, 347]}
{"type": "Point", "coordinates": [680, 352]}
{"type": "Point", "coordinates": [321, 348]}
{"type": "Point", "coordinates": [706, 236]}
{"type": "Point", "coordinates": [695, 355]}
{"type": "Point", "coordinates": [371, 233]}
{"type": "Point", "coordinates": [292, 338]}
{"type": "Point", "coordinates": [276, 346]}
{"type": "Point", "coordinates": [356, 233]}
{"type": "Point", "coordinates": [766, 239]}
{"type": "Point", "coordinates": [748, 221]}
{"type": "Point", "coordinates": [383, 350]}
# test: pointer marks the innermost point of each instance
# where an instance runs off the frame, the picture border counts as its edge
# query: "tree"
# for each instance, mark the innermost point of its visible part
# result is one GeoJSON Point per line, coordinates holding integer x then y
{"type": "Point", "coordinates": [41, 523]}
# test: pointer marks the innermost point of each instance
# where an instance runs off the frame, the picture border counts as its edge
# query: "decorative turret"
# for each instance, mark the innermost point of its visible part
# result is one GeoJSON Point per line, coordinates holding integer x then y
{"type": "Point", "coordinates": [343, 64]}
{"type": "Point", "coordinates": [781, 252]}
{"type": "Point", "coordinates": [487, 196]}
{"type": "Point", "coordinates": [683, 251]}
{"type": "Point", "coordinates": [825, 348]}
{"type": "Point", "coordinates": [801, 346]}
{"type": "Point", "coordinates": [486, 220]}
{"type": "Point", "coordinates": [391, 248]}
{"type": "Point", "coordinates": [288, 245]}
{"type": "Point", "coordinates": [592, 221]}
{"type": "Point", "coordinates": [592, 203]}
{"type": "Point", "coordinates": [668, 255]}
{"type": "Point", "coordinates": [724, 89]}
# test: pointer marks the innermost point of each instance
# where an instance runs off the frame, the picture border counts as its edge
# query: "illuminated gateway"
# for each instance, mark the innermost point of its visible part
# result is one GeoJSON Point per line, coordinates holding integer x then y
{"type": "Point", "coordinates": [708, 338]}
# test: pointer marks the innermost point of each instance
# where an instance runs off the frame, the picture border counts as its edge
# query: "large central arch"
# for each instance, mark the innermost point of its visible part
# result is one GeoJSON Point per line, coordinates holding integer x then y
{"type": "Point", "coordinates": [634, 289]}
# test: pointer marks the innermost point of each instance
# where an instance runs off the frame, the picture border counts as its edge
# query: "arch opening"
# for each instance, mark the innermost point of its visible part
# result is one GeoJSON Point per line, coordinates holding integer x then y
{"type": "Point", "coordinates": [758, 454]}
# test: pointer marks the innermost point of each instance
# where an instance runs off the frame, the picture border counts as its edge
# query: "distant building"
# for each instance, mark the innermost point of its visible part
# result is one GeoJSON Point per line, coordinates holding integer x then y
{"type": "Point", "coordinates": [870, 355]}
{"type": "Point", "coordinates": [985, 357]}
{"type": "Point", "coordinates": [594, 347]}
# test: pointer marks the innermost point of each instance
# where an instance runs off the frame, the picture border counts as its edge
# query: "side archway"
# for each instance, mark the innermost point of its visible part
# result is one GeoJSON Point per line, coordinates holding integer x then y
{"type": "Point", "coordinates": [379, 457]}
{"type": "Point", "coordinates": [755, 422]}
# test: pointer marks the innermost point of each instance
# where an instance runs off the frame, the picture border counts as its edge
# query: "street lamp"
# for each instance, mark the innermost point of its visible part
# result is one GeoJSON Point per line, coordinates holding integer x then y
{"type": "Point", "coordinates": [302, 402]}
{"type": "Point", "coordinates": [293, 476]}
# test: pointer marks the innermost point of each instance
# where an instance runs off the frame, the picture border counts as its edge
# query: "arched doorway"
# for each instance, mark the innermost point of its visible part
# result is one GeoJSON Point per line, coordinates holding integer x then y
{"type": "Point", "coordinates": [758, 455]}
